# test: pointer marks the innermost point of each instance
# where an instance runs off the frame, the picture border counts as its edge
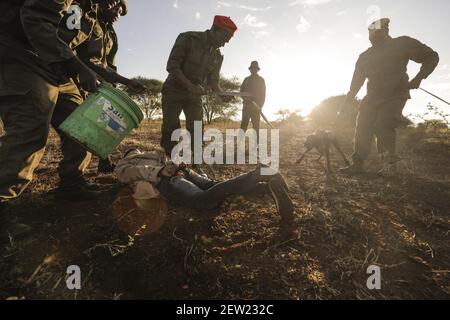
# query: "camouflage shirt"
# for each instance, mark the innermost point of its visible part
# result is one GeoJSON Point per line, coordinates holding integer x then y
{"type": "Point", "coordinates": [385, 68]}
{"type": "Point", "coordinates": [195, 56]}
{"type": "Point", "coordinates": [28, 36]}
{"type": "Point", "coordinates": [99, 51]}
{"type": "Point", "coordinates": [75, 36]}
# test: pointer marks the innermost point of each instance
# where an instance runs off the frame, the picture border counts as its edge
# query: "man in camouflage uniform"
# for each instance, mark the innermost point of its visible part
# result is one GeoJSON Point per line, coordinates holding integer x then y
{"type": "Point", "coordinates": [34, 62]}
{"type": "Point", "coordinates": [100, 50]}
{"type": "Point", "coordinates": [194, 62]}
{"type": "Point", "coordinates": [384, 65]}
{"type": "Point", "coordinates": [256, 85]}
{"type": "Point", "coordinates": [75, 158]}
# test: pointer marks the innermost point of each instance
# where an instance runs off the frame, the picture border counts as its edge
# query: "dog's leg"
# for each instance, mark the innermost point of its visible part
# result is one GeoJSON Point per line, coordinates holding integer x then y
{"type": "Point", "coordinates": [338, 148]}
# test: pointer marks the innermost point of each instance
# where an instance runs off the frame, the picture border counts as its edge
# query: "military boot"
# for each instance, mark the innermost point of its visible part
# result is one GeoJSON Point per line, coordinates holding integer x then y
{"type": "Point", "coordinates": [106, 165]}
{"type": "Point", "coordinates": [76, 189]}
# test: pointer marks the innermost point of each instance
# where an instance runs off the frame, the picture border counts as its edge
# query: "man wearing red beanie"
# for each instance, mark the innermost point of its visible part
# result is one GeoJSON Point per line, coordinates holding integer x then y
{"type": "Point", "coordinates": [194, 66]}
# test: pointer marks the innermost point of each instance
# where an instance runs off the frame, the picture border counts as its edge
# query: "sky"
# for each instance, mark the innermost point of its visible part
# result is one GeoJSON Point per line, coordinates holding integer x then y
{"type": "Point", "coordinates": [307, 49]}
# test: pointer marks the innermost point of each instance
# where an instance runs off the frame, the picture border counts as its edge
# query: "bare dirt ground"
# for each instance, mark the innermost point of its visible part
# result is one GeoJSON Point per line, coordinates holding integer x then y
{"type": "Point", "coordinates": [344, 224]}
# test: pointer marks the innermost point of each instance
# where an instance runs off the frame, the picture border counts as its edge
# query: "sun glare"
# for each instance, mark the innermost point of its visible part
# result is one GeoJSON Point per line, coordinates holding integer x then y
{"type": "Point", "coordinates": [300, 84]}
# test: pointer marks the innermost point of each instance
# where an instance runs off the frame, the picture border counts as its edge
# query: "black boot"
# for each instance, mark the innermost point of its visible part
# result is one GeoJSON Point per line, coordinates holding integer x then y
{"type": "Point", "coordinates": [106, 165]}
{"type": "Point", "coordinates": [76, 189]}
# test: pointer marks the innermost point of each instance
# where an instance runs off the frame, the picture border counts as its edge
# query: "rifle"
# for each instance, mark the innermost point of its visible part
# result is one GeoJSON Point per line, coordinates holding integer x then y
{"type": "Point", "coordinates": [262, 114]}
{"type": "Point", "coordinates": [435, 96]}
{"type": "Point", "coordinates": [246, 95]}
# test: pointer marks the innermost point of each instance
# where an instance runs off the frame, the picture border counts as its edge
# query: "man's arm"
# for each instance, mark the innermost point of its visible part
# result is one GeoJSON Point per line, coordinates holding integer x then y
{"type": "Point", "coordinates": [262, 93]}
{"type": "Point", "coordinates": [358, 80]}
{"type": "Point", "coordinates": [74, 36]}
{"type": "Point", "coordinates": [130, 173]}
{"type": "Point", "coordinates": [40, 20]}
{"type": "Point", "coordinates": [420, 53]}
{"type": "Point", "coordinates": [175, 64]}
{"type": "Point", "coordinates": [91, 53]}
{"type": "Point", "coordinates": [244, 88]}
{"type": "Point", "coordinates": [214, 77]}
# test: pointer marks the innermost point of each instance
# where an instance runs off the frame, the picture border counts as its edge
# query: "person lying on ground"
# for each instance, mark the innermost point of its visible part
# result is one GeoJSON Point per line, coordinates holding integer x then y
{"type": "Point", "coordinates": [153, 174]}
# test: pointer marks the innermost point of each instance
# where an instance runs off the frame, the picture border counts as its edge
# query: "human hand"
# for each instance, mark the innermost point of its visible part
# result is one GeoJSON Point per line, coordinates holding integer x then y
{"type": "Point", "coordinates": [415, 83]}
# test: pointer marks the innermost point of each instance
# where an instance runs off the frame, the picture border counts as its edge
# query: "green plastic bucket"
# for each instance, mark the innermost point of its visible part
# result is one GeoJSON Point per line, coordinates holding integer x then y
{"type": "Point", "coordinates": [103, 120]}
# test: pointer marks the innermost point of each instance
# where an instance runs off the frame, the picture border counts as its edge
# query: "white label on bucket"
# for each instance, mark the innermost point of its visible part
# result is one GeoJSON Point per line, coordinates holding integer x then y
{"type": "Point", "coordinates": [112, 116]}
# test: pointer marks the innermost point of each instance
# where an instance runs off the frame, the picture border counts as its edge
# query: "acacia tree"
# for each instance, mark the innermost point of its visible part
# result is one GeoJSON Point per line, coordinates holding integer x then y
{"type": "Point", "coordinates": [150, 100]}
{"type": "Point", "coordinates": [214, 107]}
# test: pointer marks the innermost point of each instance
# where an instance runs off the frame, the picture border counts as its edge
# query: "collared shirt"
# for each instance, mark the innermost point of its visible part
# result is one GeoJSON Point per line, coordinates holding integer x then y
{"type": "Point", "coordinates": [256, 85]}
{"type": "Point", "coordinates": [194, 55]}
{"type": "Point", "coordinates": [385, 68]}
{"type": "Point", "coordinates": [141, 170]}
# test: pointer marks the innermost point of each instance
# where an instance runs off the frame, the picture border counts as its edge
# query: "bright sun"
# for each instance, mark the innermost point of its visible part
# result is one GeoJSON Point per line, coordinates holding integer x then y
{"type": "Point", "coordinates": [300, 84]}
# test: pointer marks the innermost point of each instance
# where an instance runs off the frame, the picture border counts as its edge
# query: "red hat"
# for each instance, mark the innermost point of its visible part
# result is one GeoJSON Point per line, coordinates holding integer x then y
{"type": "Point", "coordinates": [225, 23]}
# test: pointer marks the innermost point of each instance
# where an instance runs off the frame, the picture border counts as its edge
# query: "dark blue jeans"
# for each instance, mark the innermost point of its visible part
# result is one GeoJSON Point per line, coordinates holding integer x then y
{"type": "Point", "coordinates": [198, 192]}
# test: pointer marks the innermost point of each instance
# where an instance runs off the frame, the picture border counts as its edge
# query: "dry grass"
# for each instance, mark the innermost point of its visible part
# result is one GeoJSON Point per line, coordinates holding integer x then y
{"type": "Point", "coordinates": [343, 224]}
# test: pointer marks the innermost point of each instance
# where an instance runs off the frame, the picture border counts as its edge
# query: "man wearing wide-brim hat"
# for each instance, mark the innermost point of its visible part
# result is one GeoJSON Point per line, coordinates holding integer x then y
{"type": "Point", "coordinates": [384, 65]}
{"type": "Point", "coordinates": [255, 85]}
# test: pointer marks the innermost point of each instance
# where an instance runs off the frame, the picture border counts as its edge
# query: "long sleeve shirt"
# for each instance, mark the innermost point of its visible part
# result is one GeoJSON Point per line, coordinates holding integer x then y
{"type": "Point", "coordinates": [77, 36]}
{"type": "Point", "coordinates": [141, 170]}
{"type": "Point", "coordinates": [194, 55]}
{"type": "Point", "coordinates": [28, 36]}
{"type": "Point", "coordinates": [256, 85]}
{"type": "Point", "coordinates": [385, 68]}
{"type": "Point", "coordinates": [40, 20]}
{"type": "Point", "coordinates": [99, 51]}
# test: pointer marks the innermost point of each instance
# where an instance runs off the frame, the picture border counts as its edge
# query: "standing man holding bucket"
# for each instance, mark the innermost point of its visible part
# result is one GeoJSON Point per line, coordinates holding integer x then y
{"type": "Point", "coordinates": [256, 85]}
{"type": "Point", "coordinates": [34, 61]}
{"type": "Point", "coordinates": [76, 158]}
{"type": "Point", "coordinates": [384, 65]}
{"type": "Point", "coordinates": [194, 62]}
{"type": "Point", "coordinates": [100, 50]}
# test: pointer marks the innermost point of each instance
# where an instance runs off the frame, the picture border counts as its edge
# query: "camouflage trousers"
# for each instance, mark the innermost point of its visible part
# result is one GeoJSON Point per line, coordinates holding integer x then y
{"type": "Point", "coordinates": [379, 121]}
{"type": "Point", "coordinates": [172, 106]}
{"type": "Point", "coordinates": [27, 105]}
